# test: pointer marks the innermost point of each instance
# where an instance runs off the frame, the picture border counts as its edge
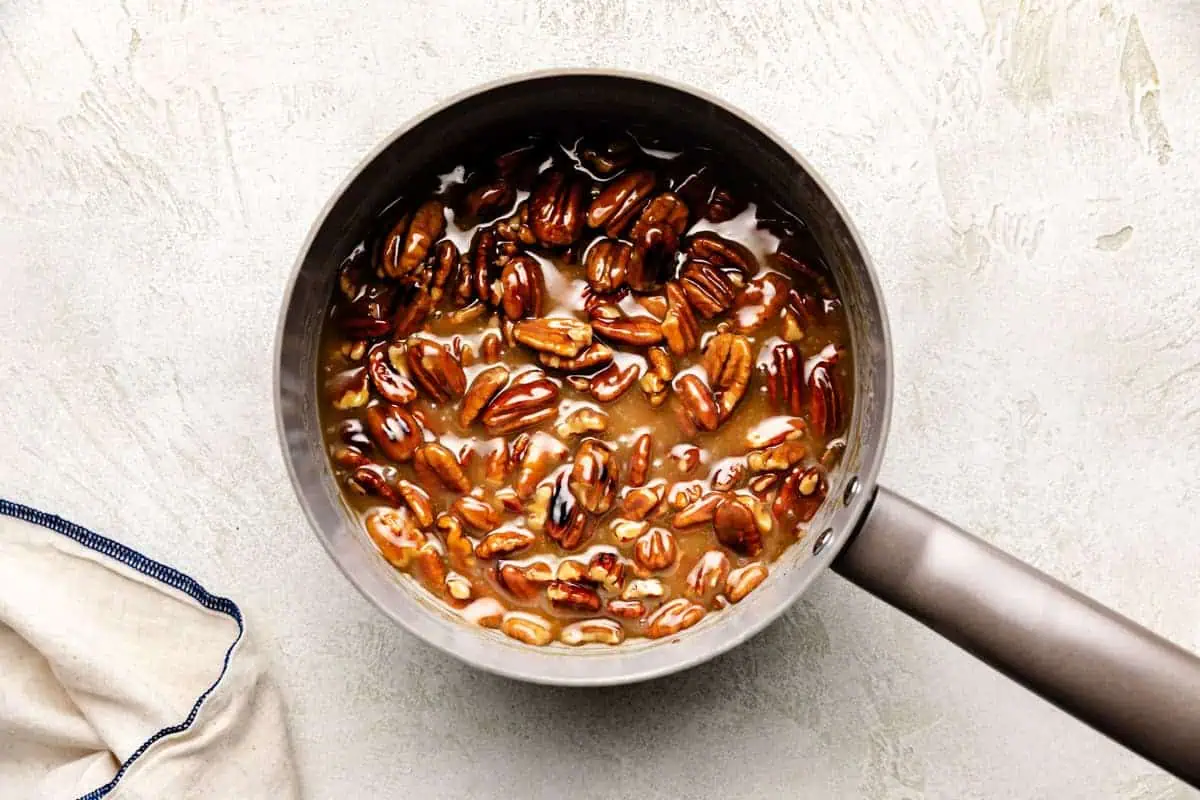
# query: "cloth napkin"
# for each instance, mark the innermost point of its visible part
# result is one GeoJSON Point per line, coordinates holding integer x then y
{"type": "Point", "coordinates": [123, 678]}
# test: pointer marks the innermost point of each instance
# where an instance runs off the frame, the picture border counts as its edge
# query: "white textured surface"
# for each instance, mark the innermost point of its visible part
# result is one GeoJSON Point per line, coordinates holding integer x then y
{"type": "Point", "coordinates": [1028, 190]}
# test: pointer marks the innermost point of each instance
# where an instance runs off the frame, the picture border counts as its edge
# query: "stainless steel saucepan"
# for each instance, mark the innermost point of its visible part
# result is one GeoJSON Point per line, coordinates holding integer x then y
{"type": "Point", "coordinates": [1109, 672]}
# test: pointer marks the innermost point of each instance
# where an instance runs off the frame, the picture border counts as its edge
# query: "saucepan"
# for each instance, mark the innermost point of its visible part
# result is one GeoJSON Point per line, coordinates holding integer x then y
{"type": "Point", "coordinates": [1125, 681]}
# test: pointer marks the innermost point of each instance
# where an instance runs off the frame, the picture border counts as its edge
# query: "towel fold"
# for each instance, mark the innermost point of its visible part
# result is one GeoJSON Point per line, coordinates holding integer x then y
{"type": "Point", "coordinates": [123, 678]}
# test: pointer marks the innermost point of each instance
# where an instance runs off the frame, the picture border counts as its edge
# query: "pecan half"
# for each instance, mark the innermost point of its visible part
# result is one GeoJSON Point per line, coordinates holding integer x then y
{"type": "Point", "coordinates": [562, 336]}
{"type": "Point", "coordinates": [596, 355]}
{"type": "Point", "coordinates": [349, 389]}
{"type": "Point", "coordinates": [412, 312]}
{"type": "Point", "coordinates": [640, 331]}
{"type": "Point", "coordinates": [698, 402]}
{"type": "Point", "coordinates": [627, 609]}
{"type": "Point", "coordinates": [488, 200]}
{"type": "Point", "coordinates": [728, 360]}
{"type": "Point", "coordinates": [503, 542]}
{"type": "Point", "coordinates": [743, 581]}
{"type": "Point", "coordinates": [728, 473]}
{"type": "Point", "coordinates": [592, 631]}
{"type": "Point", "coordinates": [639, 459]}
{"type": "Point", "coordinates": [613, 381]}
{"type": "Point", "coordinates": [370, 479]}
{"type": "Point", "coordinates": [801, 495]}
{"type": "Point", "coordinates": [410, 240]}
{"type": "Point", "coordinates": [395, 533]}
{"type": "Point", "coordinates": [566, 521]}
{"type": "Point", "coordinates": [435, 463]}
{"type": "Point", "coordinates": [369, 314]}
{"type": "Point", "coordinates": [736, 528]}
{"type": "Point", "coordinates": [761, 301]}
{"type": "Point", "coordinates": [435, 370]}
{"type": "Point", "coordinates": [556, 211]}
{"type": "Point", "coordinates": [656, 549]}
{"type": "Point", "coordinates": [662, 222]}
{"type": "Point", "coordinates": [825, 401]}
{"type": "Point", "coordinates": [606, 569]}
{"type": "Point", "coordinates": [521, 289]}
{"type": "Point", "coordinates": [698, 511]}
{"type": "Point", "coordinates": [643, 589]}
{"type": "Point", "coordinates": [515, 227]}
{"type": "Point", "coordinates": [708, 288]}
{"type": "Point", "coordinates": [524, 583]}
{"type": "Point", "coordinates": [785, 378]}
{"type": "Point", "coordinates": [607, 156]}
{"type": "Point", "coordinates": [722, 253]}
{"type": "Point", "coordinates": [477, 513]}
{"type": "Point", "coordinates": [582, 421]}
{"type": "Point", "coordinates": [542, 454]}
{"type": "Point", "coordinates": [530, 399]}
{"type": "Point", "coordinates": [391, 384]}
{"type": "Point", "coordinates": [594, 476]}
{"type": "Point", "coordinates": [774, 430]}
{"type": "Point", "coordinates": [527, 627]}
{"type": "Point", "coordinates": [486, 385]}
{"type": "Point", "coordinates": [777, 457]}
{"type": "Point", "coordinates": [394, 430]}
{"type": "Point", "coordinates": [708, 576]}
{"type": "Point", "coordinates": [641, 502]}
{"type": "Point", "coordinates": [672, 617]}
{"type": "Point", "coordinates": [564, 594]}
{"type": "Point", "coordinates": [418, 502]}
{"type": "Point", "coordinates": [608, 263]}
{"type": "Point", "coordinates": [620, 201]}
{"type": "Point", "coordinates": [679, 326]}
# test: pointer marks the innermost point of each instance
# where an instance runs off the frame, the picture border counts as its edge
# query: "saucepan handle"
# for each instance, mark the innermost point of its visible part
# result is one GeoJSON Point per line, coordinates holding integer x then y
{"type": "Point", "coordinates": [1113, 674]}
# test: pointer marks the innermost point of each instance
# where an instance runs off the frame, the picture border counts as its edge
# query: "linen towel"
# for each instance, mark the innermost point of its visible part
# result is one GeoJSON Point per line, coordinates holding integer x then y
{"type": "Point", "coordinates": [123, 678]}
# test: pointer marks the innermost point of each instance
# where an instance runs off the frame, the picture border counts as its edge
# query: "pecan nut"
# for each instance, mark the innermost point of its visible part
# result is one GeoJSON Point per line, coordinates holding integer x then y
{"type": "Point", "coordinates": [369, 314]}
{"type": "Point", "coordinates": [709, 289]}
{"type": "Point", "coordinates": [712, 248]}
{"type": "Point", "coordinates": [606, 569]}
{"type": "Point", "coordinates": [825, 401]}
{"type": "Point", "coordinates": [643, 589]}
{"type": "Point", "coordinates": [801, 495]}
{"type": "Point", "coordinates": [662, 222]}
{"type": "Point", "coordinates": [486, 385]}
{"type": "Point", "coordinates": [527, 628]}
{"type": "Point", "coordinates": [524, 583]}
{"type": "Point", "coordinates": [435, 370]}
{"type": "Point", "coordinates": [391, 384]}
{"type": "Point", "coordinates": [556, 212]}
{"type": "Point", "coordinates": [582, 421]}
{"type": "Point", "coordinates": [736, 528]}
{"type": "Point", "coordinates": [620, 201]}
{"type": "Point", "coordinates": [774, 430]}
{"type": "Point", "coordinates": [566, 521]}
{"type": "Point", "coordinates": [522, 288]}
{"type": "Point", "coordinates": [592, 631]}
{"type": "Point", "coordinates": [542, 454]}
{"type": "Point", "coordinates": [608, 263]}
{"type": "Point", "coordinates": [561, 336]}
{"type": "Point", "coordinates": [656, 549]}
{"type": "Point", "coordinates": [613, 381]}
{"type": "Point", "coordinates": [596, 355]}
{"type": "Point", "coordinates": [627, 609]}
{"type": "Point", "coordinates": [761, 301]}
{"type": "Point", "coordinates": [412, 312]}
{"type": "Point", "coordinates": [607, 156]}
{"type": "Point", "coordinates": [777, 457]}
{"type": "Point", "coordinates": [410, 240]}
{"type": "Point", "coordinates": [743, 581]}
{"type": "Point", "coordinates": [639, 459]}
{"type": "Point", "coordinates": [672, 617]}
{"type": "Point", "coordinates": [641, 502]}
{"type": "Point", "coordinates": [531, 398]}
{"type": "Point", "coordinates": [708, 576]}
{"type": "Point", "coordinates": [418, 501]}
{"type": "Point", "coordinates": [395, 430]}
{"type": "Point", "coordinates": [698, 402]}
{"type": "Point", "coordinates": [371, 479]}
{"type": "Point", "coordinates": [639, 331]}
{"type": "Point", "coordinates": [349, 389]}
{"type": "Point", "coordinates": [504, 541]}
{"type": "Point", "coordinates": [488, 200]}
{"type": "Point", "coordinates": [573, 596]}
{"type": "Point", "coordinates": [698, 511]}
{"type": "Point", "coordinates": [728, 360]}
{"type": "Point", "coordinates": [594, 476]}
{"type": "Point", "coordinates": [395, 534]}
{"type": "Point", "coordinates": [679, 326]}
{"type": "Point", "coordinates": [785, 378]}
{"type": "Point", "coordinates": [435, 463]}
{"type": "Point", "coordinates": [477, 513]}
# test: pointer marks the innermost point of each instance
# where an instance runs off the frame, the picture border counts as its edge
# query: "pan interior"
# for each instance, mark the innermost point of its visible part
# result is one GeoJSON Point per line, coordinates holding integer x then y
{"type": "Point", "coordinates": [442, 138]}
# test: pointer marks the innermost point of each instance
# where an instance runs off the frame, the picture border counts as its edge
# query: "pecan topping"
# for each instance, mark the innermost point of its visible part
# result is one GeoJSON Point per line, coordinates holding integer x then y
{"type": "Point", "coordinates": [679, 325]}
{"type": "Point", "coordinates": [566, 521]}
{"type": "Point", "coordinates": [728, 360]}
{"type": "Point", "coordinates": [785, 379]}
{"type": "Point", "coordinates": [394, 430]}
{"type": "Point", "coordinates": [486, 385]}
{"type": "Point", "coordinates": [561, 336]}
{"type": "Point", "coordinates": [436, 464]}
{"type": "Point", "coordinates": [521, 289]}
{"type": "Point", "coordinates": [410, 240]}
{"type": "Point", "coordinates": [594, 476]}
{"type": "Point", "coordinates": [532, 398]}
{"type": "Point", "coordinates": [620, 201]}
{"type": "Point", "coordinates": [435, 370]}
{"type": "Point", "coordinates": [556, 208]}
